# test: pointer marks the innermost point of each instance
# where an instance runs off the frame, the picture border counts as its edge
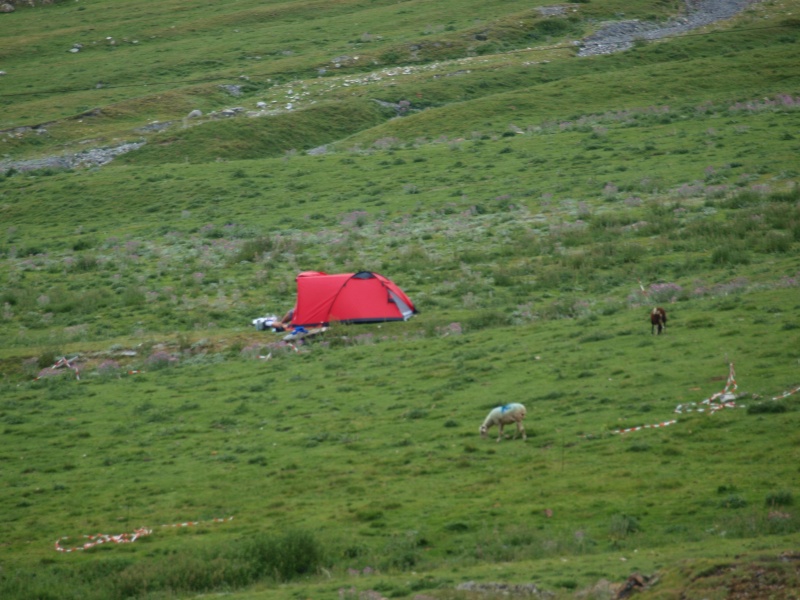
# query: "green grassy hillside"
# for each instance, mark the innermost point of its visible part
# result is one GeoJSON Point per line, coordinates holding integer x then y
{"type": "Point", "coordinates": [534, 204]}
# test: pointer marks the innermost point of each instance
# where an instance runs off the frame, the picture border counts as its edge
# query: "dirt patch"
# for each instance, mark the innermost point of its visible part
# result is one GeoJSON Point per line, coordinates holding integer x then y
{"type": "Point", "coordinates": [777, 578]}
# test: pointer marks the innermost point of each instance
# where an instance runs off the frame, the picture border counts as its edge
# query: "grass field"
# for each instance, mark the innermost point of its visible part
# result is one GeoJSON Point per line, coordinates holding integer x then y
{"type": "Point", "coordinates": [535, 205]}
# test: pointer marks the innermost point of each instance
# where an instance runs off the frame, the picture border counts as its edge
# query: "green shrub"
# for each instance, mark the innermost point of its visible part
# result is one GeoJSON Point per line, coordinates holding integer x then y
{"type": "Point", "coordinates": [48, 357]}
{"type": "Point", "coordinates": [283, 558]}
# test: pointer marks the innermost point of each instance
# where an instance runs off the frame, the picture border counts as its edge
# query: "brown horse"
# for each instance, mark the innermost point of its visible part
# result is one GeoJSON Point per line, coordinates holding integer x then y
{"type": "Point", "coordinates": [658, 318]}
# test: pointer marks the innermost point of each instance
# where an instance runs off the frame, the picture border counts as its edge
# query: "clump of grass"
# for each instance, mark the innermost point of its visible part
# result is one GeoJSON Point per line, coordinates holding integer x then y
{"type": "Point", "coordinates": [776, 242]}
{"type": "Point", "coordinates": [403, 551]}
{"type": "Point", "coordinates": [767, 408]}
{"type": "Point", "coordinates": [780, 498]}
{"type": "Point", "coordinates": [665, 292]}
{"type": "Point", "coordinates": [733, 501]}
{"type": "Point", "coordinates": [108, 369]}
{"type": "Point", "coordinates": [639, 447]}
{"type": "Point", "coordinates": [729, 255]}
{"type": "Point", "coordinates": [416, 413]}
{"type": "Point", "coordinates": [597, 336]}
{"type": "Point", "coordinates": [160, 360]}
{"type": "Point", "coordinates": [622, 526]}
{"type": "Point", "coordinates": [484, 319]}
{"type": "Point", "coordinates": [133, 296]}
{"type": "Point", "coordinates": [251, 250]}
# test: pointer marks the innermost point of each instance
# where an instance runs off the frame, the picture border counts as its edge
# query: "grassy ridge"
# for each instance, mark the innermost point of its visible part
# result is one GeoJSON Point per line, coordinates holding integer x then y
{"type": "Point", "coordinates": [200, 42]}
{"type": "Point", "coordinates": [240, 139]}
{"type": "Point", "coordinates": [160, 73]}
{"type": "Point", "coordinates": [570, 92]}
{"type": "Point", "coordinates": [521, 201]}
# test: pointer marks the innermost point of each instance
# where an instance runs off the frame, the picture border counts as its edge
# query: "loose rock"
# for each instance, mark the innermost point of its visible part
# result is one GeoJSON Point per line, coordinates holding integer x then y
{"type": "Point", "coordinates": [621, 35]}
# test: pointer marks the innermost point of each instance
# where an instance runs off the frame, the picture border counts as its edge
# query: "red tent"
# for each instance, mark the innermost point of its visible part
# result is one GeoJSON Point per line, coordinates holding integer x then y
{"type": "Point", "coordinates": [362, 297]}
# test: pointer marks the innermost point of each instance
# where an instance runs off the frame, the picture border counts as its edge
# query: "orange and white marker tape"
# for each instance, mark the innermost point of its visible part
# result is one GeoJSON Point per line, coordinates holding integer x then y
{"type": "Point", "coordinates": [69, 363]}
{"type": "Point", "coordinates": [724, 399]}
{"type": "Point", "coordinates": [193, 523]}
{"type": "Point", "coordinates": [726, 395]}
{"type": "Point", "coordinates": [654, 426]}
{"type": "Point", "coordinates": [787, 394]}
{"type": "Point", "coordinates": [124, 538]}
{"type": "Point", "coordinates": [103, 538]}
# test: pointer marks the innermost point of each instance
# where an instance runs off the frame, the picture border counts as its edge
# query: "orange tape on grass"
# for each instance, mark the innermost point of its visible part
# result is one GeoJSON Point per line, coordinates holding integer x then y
{"type": "Point", "coordinates": [124, 538]}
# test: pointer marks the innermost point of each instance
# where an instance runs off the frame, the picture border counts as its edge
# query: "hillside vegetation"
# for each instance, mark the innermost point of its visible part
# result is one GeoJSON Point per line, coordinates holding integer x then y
{"type": "Point", "coordinates": [534, 204]}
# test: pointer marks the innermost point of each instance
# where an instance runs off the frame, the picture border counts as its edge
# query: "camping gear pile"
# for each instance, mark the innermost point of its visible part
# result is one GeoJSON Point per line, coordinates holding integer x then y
{"type": "Point", "coordinates": [264, 323]}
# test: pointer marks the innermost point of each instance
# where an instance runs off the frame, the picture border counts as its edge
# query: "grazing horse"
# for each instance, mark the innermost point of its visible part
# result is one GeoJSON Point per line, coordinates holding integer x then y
{"type": "Point", "coordinates": [658, 318]}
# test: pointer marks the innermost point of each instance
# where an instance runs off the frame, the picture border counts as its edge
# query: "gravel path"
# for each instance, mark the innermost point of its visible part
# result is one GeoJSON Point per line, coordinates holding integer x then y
{"type": "Point", "coordinates": [621, 35]}
{"type": "Point", "coordinates": [93, 157]}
